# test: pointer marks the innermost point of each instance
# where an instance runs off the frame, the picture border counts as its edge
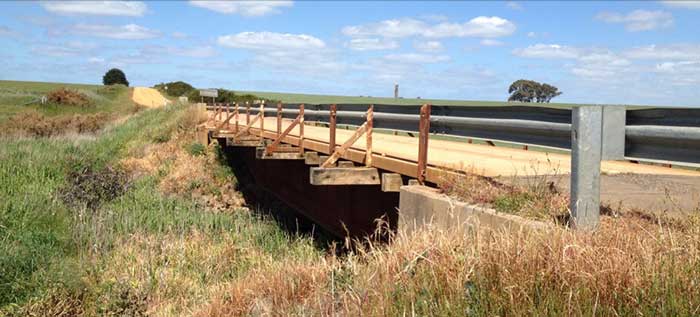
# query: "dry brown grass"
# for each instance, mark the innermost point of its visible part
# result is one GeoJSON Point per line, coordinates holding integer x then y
{"type": "Point", "coordinates": [182, 173]}
{"type": "Point", "coordinates": [536, 198]}
{"type": "Point", "coordinates": [628, 267]}
{"type": "Point", "coordinates": [34, 124]}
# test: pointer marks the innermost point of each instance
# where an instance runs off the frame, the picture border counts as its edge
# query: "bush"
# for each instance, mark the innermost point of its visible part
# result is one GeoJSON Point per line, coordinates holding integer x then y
{"type": "Point", "coordinates": [87, 186]}
{"type": "Point", "coordinates": [67, 97]}
{"type": "Point", "coordinates": [175, 88]}
{"type": "Point", "coordinates": [115, 76]}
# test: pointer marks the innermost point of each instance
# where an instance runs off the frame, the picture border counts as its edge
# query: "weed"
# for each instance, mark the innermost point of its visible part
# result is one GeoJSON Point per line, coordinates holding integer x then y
{"type": "Point", "coordinates": [68, 97]}
{"type": "Point", "coordinates": [196, 149]}
{"type": "Point", "coordinates": [88, 187]}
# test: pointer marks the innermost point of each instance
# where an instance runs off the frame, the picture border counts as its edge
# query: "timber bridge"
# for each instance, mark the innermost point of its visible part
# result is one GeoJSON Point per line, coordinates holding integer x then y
{"type": "Point", "coordinates": [344, 166]}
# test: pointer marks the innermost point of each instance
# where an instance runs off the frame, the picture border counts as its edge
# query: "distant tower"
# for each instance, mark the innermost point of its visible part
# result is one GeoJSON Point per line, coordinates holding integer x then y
{"type": "Point", "coordinates": [396, 91]}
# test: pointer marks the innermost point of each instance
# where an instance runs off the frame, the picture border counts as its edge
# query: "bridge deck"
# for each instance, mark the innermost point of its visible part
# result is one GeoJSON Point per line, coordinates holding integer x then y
{"type": "Point", "coordinates": [478, 158]}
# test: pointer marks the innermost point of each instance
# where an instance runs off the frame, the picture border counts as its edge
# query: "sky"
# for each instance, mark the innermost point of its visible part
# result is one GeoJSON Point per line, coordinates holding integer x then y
{"type": "Point", "coordinates": [621, 52]}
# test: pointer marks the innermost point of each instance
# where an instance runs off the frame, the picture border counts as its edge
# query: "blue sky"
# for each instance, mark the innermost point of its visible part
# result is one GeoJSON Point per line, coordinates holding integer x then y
{"type": "Point", "coordinates": [596, 52]}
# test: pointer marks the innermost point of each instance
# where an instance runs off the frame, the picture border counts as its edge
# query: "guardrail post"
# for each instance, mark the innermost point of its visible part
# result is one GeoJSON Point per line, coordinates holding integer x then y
{"type": "Point", "coordinates": [331, 141]}
{"type": "Point", "coordinates": [301, 128]}
{"type": "Point", "coordinates": [586, 132]}
{"type": "Point", "coordinates": [368, 142]}
{"type": "Point", "coordinates": [613, 137]}
{"type": "Point", "coordinates": [279, 119]}
{"type": "Point", "coordinates": [423, 136]}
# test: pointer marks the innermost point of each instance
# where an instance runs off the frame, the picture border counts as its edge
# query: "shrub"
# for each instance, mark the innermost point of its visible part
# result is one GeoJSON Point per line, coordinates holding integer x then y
{"type": "Point", "coordinates": [175, 88]}
{"type": "Point", "coordinates": [90, 187]}
{"type": "Point", "coordinates": [67, 97]}
{"type": "Point", "coordinates": [115, 76]}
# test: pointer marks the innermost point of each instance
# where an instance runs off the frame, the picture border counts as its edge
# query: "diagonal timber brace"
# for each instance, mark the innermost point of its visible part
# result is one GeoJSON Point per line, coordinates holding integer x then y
{"type": "Point", "coordinates": [299, 120]}
{"type": "Point", "coordinates": [365, 128]}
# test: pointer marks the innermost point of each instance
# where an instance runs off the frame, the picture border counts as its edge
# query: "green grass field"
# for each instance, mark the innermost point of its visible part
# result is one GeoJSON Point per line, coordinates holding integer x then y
{"type": "Point", "coordinates": [22, 96]}
{"type": "Point", "coordinates": [327, 99]}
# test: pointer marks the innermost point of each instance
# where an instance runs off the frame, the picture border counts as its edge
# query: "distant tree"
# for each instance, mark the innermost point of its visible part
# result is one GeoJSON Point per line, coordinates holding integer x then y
{"type": "Point", "coordinates": [175, 88]}
{"type": "Point", "coordinates": [531, 91]}
{"type": "Point", "coordinates": [115, 76]}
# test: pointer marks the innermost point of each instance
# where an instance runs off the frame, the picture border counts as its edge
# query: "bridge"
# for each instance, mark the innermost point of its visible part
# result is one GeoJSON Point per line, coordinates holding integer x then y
{"type": "Point", "coordinates": [344, 166]}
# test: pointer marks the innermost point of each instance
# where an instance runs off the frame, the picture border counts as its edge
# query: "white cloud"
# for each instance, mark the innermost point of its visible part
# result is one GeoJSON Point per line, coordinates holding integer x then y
{"type": "Point", "coordinates": [481, 26]}
{"type": "Point", "coordinates": [639, 20]}
{"type": "Point", "coordinates": [414, 58]}
{"type": "Point", "coordinates": [194, 52]}
{"type": "Point", "coordinates": [245, 8]}
{"type": "Point", "coordinates": [123, 32]}
{"type": "Point", "coordinates": [71, 48]}
{"type": "Point", "coordinates": [491, 42]}
{"type": "Point", "coordinates": [5, 31]}
{"type": "Point", "coordinates": [514, 5]}
{"type": "Point", "coordinates": [547, 51]}
{"type": "Point", "coordinates": [601, 66]}
{"type": "Point", "coordinates": [669, 52]}
{"type": "Point", "coordinates": [686, 4]}
{"type": "Point", "coordinates": [428, 46]}
{"type": "Point", "coordinates": [123, 8]}
{"type": "Point", "coordinates": [531, 34]}
{"type": "Point", "coordinates": [179, 35]}
{"type": "Point", "coordinates": [96, 60]}
{"type": "Point", "coordinates": [266, 40]}
{"type": "Point", "coordinates": [372, 44]}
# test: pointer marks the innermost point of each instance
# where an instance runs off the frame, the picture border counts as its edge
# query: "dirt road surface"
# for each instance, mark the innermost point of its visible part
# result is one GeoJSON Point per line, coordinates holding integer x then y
{"type": "Point", "coordinates": [148, 97]}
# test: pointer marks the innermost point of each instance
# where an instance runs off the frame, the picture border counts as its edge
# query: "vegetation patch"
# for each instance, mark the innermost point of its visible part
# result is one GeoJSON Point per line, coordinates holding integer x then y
{"type": "Point", "coordinates": [90, 187]}
{"type": "Point", "coordinates": [69, 97]}
{"type": "Point", "coordinates": [538, 198]}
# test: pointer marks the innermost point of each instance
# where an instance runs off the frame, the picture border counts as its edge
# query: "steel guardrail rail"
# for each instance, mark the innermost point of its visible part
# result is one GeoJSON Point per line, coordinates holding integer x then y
{"type": "Point", "coordinates": [666, 135]}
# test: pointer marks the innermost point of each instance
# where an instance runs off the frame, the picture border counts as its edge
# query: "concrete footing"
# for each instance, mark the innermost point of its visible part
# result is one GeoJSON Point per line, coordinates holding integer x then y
{"type": "Point", "coordinates": [420, 206]}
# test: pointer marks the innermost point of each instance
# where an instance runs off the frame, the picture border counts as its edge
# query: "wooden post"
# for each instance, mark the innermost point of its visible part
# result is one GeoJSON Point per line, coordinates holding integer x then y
{"type": "Point", "coordinates": [279, 119]}
{"type": "Point", "coordinates": [331, 142]}
{"type": "Point", "coordinates": [301, 128]}
{"type": "Point", "coordinates": [368, 142]}
{"type": "Point", "coordinates": [424, 133]}
{"type": "Point", "coordinates": [262, 120]}
{"type": "Point", "coordinates": [228, 116]}
{"type": "Point", "coordinates": [247, 113]}
{"type": "Point", "coordinates": [236, 114]}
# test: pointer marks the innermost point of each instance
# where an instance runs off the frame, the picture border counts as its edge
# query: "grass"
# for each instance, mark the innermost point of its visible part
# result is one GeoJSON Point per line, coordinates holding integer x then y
{"type": "Point", "coordinates": [21, 97]}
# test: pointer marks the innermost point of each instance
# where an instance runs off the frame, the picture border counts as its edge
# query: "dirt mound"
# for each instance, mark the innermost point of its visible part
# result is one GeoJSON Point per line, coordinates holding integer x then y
{"type": "Point", "coordinates": [148, 97]}
{"type": "Point", "coordinates": [63, 96]}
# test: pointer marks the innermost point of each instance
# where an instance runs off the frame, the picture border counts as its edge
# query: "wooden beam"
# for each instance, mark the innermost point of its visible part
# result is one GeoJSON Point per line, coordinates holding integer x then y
{"type": "Point", "coordinates": [312, 158]}
{"type": "Point", "coordinates": [368, 134]}
{"type": "Point", "coordinates": [331, 127]}
{"type": "Point", "coordinates": [346, 164]}
{"type": "Point", "coordinates": [242, 143]}
{"type": "Point", "coordinates": [391, 182]}
{"type": "Point", "coordinates": [260, 154]}
{"type": "Point", "coordinates": [324, 158]}
{"type": "Point", "coordinates": [344, 176]}
{"type": "Point", "coordinates": [424, 134]}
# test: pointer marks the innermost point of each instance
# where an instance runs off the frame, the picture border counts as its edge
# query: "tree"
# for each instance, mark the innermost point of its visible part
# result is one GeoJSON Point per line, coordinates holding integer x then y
{"type": "Point", "coordinates": [175, 88]}
{"type": "Point", "coordinates": [115, 76]}
{"type": "Point", "coordinates": [531, 91]}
